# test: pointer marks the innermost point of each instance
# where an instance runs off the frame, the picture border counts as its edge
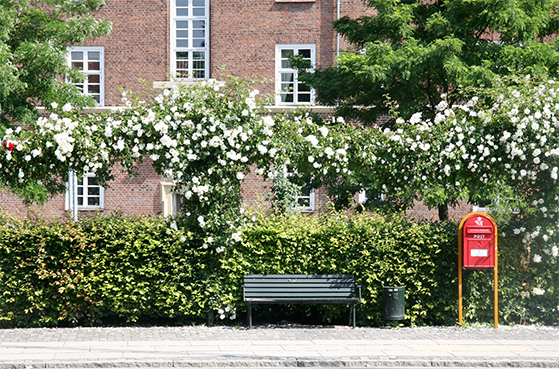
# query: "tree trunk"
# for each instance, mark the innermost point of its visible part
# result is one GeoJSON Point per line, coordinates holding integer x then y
{"type": "Point", "coordinates": [443, 212]}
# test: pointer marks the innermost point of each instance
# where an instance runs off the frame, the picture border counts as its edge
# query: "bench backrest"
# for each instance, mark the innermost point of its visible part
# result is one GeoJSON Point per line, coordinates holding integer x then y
{"type": "Point", "coordinates": [299, 287]}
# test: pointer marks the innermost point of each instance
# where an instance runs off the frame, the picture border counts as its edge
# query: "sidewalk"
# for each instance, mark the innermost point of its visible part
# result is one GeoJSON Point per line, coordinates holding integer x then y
{"type": "Point", "coordinates": [278, 347]}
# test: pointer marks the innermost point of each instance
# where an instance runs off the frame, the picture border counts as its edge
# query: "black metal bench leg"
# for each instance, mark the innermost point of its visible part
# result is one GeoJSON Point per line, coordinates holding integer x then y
{"type": "Point", "coordinates": [249, 315]}
{"type": "Point", "coordinates": [353, 314]}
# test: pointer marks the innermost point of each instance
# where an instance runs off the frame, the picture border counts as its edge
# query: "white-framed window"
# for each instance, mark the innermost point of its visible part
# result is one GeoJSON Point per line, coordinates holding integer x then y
{"type": "Point", "coordinates": [90, 195]}
{"type": "Point", "coordinates": [171, 201]}
{"type": "Point", "coordinates": [289, 90]}
{"type": "Point", "coordinates": [483, 206]}
{"type": "Point", "coordinates": [190, 35]}
{"type": "Point", "coordinates": [90, 60]}
{"type": "Point", "coordinates": [305, 201]}
{"type": "Point", "coordinates": [364, 195]}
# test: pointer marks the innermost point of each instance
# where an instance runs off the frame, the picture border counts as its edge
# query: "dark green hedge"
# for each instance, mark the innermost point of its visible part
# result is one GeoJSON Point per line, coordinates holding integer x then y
{"type": "Point", "coordinates": [421, 257]}
{"type": "Point", "coordinates": [107, 270]}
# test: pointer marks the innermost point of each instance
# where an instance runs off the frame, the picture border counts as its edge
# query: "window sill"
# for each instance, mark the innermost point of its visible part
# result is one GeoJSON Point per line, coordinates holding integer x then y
{"type": "Point", "coordinates": [311, 108]}
{"type": "Point", "coordinates": [98, 109]}
{"type": "Point", "coordinates": [170, 84]}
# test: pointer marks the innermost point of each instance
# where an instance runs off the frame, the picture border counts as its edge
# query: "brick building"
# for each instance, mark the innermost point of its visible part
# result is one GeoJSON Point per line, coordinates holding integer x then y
{"type": "Point", "coordinates": [194, 40]}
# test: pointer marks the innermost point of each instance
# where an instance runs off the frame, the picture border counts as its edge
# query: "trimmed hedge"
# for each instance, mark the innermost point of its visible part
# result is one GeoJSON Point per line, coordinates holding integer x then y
{"type": "Point", "coordinates": [379, 252]}
{"type": "Point", "coordinates": [123, 270]}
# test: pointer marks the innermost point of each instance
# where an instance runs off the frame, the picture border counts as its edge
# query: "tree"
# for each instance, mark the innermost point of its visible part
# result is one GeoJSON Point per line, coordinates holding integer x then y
{"type": "Point", "coordinates": [412, 52]}
{"type": "Point", "coordinates": [34, 35]}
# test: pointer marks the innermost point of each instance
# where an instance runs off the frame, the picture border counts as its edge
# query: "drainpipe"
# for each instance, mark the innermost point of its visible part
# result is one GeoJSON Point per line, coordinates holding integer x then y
{"type": "Point", "coordinates": [337, 34]}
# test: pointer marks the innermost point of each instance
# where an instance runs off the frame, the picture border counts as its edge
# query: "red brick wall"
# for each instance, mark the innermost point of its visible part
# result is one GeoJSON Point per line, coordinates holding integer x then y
{"type": "Point", "coordinates": [138, 46]}
{"type": "Point", "coordinates": [133, 196]}
{"type": "Point", "coordinates": [244, 33]}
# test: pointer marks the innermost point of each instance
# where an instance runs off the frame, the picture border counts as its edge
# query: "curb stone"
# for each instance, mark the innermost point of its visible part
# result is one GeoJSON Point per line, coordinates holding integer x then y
{"type": "Point", "coordinates": [504, 363]}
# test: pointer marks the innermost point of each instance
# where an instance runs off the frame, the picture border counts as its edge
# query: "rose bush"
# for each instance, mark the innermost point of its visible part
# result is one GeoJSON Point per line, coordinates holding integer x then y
{"type": "Point", "coordinates": [500, 146]}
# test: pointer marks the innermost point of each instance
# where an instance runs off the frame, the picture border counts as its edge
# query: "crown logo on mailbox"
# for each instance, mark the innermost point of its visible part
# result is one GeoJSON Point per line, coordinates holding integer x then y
{"type": "Point", "coordinates": [479, 221]}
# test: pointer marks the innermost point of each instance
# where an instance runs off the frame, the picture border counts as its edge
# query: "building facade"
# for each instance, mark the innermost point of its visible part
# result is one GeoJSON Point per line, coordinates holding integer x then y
{"type": "Point", "coordinates": [157, 42]}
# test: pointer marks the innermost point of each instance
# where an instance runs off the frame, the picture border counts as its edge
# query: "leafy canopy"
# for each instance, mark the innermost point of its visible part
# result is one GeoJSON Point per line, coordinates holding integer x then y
{"type": "Point", "coordinates": [413, 51]}
{"type": "Point", "coordinates": [34, 35]}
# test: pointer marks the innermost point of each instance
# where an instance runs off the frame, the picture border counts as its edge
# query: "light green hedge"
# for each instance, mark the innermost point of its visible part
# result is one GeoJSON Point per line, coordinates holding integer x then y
{"type": "Point", "coordinates": [107, 270]}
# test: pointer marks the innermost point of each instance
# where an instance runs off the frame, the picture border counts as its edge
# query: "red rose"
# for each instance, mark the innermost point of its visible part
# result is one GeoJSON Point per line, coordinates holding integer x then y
{"type": "Point", "coordinates": [8, 145]}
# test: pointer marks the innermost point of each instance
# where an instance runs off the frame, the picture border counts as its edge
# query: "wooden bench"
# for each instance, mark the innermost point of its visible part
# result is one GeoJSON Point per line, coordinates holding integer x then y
{"type": "Point", "coordinates": [301, 289]}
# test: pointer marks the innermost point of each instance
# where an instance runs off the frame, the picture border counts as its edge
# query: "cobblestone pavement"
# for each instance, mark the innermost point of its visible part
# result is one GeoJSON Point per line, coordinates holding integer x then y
{"type": "Point", "coordinates": [200, 346]}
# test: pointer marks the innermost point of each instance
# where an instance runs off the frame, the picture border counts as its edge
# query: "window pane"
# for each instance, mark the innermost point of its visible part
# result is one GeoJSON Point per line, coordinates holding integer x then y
{"type": "Point", "coordinates": [77, 55]}
{"type": "Point", "coordinates": [199, 74]}
{"type": "Point", "coordinates": [198, 55]}
{"type": "Point", "coordinates": [303, 87]}
{"type": "Point", "coordinates": [199, 33]}
{"type": "Point", "coordinates": [287, 87]}
{"type": "Point", "coordinates": [199, 24]}
{"type": "Point", "coordinates": [94, 66]}
{"type": "Point", "coordinates": [182, 24]}
{"type": "Point", "coordinates": [304, 202]}
{"type": "Point", "coordinates": [182, 55]}
{"type": "Point", "coordinates": [182, 12]}
{"type": "Point", "coordinates": [92, 181]}
{"type": "Point", "coordinates": [304, 97]}
{"type": "Point", "coordinates": [199, 3]}
{"type": "Point", "coordinates": [199, 12]}
{"type": "Point", "coordinates": [94, 78]}
{"type": "Point", "coordinates": [93, 201]}
{"type": "Point", "coordinates": [286, 53]}
{"type": "Point", "coordinates": [78, 65]}
{"type": "Point", "coordinates": [287, 98]}
{"type": "Point", "coordinates": [80, 200]}
{"type": "Point", "coordinates": [199, 64]}
{"type": "Point", "coordinates": [93, 191]}
{"type": "Point", "coordinates": [182, 34]}
{"type": "Point", "coordinates": [94, 89]}
{"type": "Point", "coordinates": [94, 55]}
{"type": "Point", "coordinates": [97, 98]}
{"type": "Point", "coordinates": [80, 189]}
{"type": "Point", "coordinates": [198, 43]}
{"type": "Point", "coordinates": [182, 43]}
{"type": "Point", "coordinates": [287, 77]}
{"type": "Point", "coordinates": [182, 64]}
{"type": "Point", "coordinates": [182, 2]}
{"type": "Point", "coordinates": [306, 53]}
{"type": "Point", "coordinates": [80, 87]}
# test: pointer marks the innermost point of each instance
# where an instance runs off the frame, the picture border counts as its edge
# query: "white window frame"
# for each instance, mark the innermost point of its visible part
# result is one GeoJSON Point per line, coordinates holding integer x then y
{"type": "Point", "coordinates": [84, 186]}
{"type": "Point", "coordinates": [87, 72]}
{"type": "Point", "coordinates": [171, 201]}
{"type": "Point", "coordinates": [311, 198]}
{"type": "Point", "coordinates": [190, 49]}
{"type": "Point", "coordinates": [363, 197]}
{"type": "Point", "coordinates": [282, 69]}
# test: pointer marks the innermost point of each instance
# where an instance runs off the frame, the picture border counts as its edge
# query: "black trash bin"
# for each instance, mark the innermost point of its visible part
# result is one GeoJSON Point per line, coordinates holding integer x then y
{"type": "Point", "coordinates": [394, 303]}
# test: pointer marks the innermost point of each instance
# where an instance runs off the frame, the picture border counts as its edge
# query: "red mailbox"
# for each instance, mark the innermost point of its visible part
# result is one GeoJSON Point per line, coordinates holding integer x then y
{"type": "Point", "coordinates": [479, 242]}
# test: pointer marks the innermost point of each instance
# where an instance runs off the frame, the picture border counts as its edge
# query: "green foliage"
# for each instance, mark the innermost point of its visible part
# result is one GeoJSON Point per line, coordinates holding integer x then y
{"type": "Point", "coordinates": [34, 36]}
{"type": "Point", "coordinates": [127, 270]}
{"type": "Point", "coordinates": [284, 192]}
{"type": "Point", "coordinates": [98, 269]}
{"type": "Point", "coordinates": [414, 51]}
{"type": "Point", "coordinates": [378, 251]}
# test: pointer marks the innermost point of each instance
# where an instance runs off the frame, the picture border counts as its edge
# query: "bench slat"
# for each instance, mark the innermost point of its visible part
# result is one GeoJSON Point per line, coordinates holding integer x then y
{"type": "Point", "coordinates": [299, 276]}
